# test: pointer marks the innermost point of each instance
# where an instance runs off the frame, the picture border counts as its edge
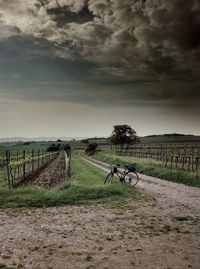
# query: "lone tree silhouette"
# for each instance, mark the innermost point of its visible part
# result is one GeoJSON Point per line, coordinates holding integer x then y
{"type": "Point", "coordinates": [123, 135]}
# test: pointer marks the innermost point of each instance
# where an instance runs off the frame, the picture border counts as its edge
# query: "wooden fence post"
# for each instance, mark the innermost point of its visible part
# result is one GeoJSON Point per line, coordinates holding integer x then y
{"type": "Point", "coordinates": [24, 164]}
{"type": "Point", "coordinates": [192, 159]}
{"type": "Point", "coordinates": [8, 168]}
{"type": "Point", "coordinates": [197, 163]}
{"type": "Point", "coordinates": [43, 156]}
{"type": "Point", "coordinates": [32, 160]}
{"type": "Point", "coordinates": [17, 164]}
{"type": "Point", "coordinates": [188, 162]}
{"type": "Point", "coordinates": [162, 154]}
{"type": "Point", "coordinates": [11, 176]}
{"type": "Point", "coordinates": [38, 163]}
{"type": "Point", "coordinates": [171, 161]}
{"type": "Point", "coordinates": [69, 174]}
{"type": "Point", "coordinates": [183, 162]}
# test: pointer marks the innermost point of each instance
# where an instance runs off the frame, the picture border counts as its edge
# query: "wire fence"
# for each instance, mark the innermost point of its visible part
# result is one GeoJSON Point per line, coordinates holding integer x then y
{"type": "Point", "coordinates": [21, 166]}
{"type": "Point", "coordinates": [180, 157]}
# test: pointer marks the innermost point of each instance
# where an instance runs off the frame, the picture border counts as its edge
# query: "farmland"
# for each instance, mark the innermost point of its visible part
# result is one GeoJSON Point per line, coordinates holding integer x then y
{"type": "Point", "coordinates": [181, 156]}
{"type": "Point", "coordinates": [86, 186]}
{"type": "Point", "coordinates": [21, 162]}
{"type": "Point", "coordinates": [82, 223]}
{"type": "Point", "coordinates": [152, 167]}
{"type": "Point", "coordinates": [17, 149]}
{"type": "Point", "coordinates": [28, 146]}
{"type": "Point", "coordinates": [176, 162]}
{"type": "Point", "coordinates": [168, 157]}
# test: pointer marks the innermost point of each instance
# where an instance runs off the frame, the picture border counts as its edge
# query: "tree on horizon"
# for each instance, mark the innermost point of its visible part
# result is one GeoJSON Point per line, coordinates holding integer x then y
{"type": "Point", "coordinates": [123, 135]}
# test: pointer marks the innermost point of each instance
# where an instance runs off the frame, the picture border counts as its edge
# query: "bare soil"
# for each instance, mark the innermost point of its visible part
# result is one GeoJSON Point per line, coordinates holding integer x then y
{"type": "Point", "coordinates": [162, 234]}
{"type": "Point", "coordinates": [54, 174]}
{"type": "Point", "coordinates": [50, 175]}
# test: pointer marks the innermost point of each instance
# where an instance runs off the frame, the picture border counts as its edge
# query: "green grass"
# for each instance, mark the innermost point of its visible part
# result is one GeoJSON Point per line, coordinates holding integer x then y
{"type": "Point", "coordinates": [14, 148]}
{"type": "Point", "coordinates": [20, 147]}
{"type": "Point", "coordinates": [2, 179]}
{"type": "Point", "coordinates": [152, 168]}
{"type": "Point", "coordinates": [86, 187]}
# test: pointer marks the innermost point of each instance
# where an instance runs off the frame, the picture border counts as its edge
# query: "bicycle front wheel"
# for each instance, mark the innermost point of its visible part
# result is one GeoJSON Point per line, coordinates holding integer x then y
{"type": "Point", "coordinates": [108, 178]}
{"type": "Point", "coordinates": [131, 178]}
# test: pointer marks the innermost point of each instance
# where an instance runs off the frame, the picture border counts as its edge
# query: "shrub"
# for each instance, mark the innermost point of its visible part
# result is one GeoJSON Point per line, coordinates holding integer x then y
{"type": "Point", "coordinates": [91, 148]}
{"type": "Point", "coordinates": [53, 147]}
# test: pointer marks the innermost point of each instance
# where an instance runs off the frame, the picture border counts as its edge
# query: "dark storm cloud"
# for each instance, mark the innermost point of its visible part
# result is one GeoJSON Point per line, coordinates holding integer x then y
{"type": "Point", "coordinates": [62, 15]}
{"type": "Point", "coordinates": [157, 37]}
{"type": "Point", "coordinates": [139, 50]}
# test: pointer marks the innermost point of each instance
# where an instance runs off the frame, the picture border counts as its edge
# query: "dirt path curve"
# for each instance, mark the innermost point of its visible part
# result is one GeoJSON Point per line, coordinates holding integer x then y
{"type": "Point", "coordinates": [176, 197]}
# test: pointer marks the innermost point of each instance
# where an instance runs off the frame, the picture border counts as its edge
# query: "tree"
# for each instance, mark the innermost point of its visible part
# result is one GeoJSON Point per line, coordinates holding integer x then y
{"type": "Point", "coordinates": [123, 135]}
{"type": "Point", "coordinates": [91, 148]}
{"type": "Point", "coordinates": [53, 147]}
{"type": "Point", "coordinates": [85, 141]}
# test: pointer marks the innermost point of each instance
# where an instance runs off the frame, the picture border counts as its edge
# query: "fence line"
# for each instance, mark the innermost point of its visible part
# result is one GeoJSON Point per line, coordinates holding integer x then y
{"type": "Point", "coordinates": [179, 157]}
{"type": "Point", "coordinates": [19, 167]}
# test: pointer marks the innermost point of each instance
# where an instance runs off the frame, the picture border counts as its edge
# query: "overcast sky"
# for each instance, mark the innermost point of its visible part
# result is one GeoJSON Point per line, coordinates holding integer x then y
{"type": "Point", "coordinates": [78, 67]}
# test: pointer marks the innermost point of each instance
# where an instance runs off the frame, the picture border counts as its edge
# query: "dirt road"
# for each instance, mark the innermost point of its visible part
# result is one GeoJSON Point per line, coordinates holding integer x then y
{"type": "Point", "coordinates": [155, 235]}
{"type": "Point", "coordinates": [177, 198]}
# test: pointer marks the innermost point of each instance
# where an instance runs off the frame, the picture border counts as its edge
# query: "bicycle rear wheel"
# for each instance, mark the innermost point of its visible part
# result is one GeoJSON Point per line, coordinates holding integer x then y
{"type": "Point", "coordinates": [131, 178]}
{"type": "Point", "coordinates": [108, 178]}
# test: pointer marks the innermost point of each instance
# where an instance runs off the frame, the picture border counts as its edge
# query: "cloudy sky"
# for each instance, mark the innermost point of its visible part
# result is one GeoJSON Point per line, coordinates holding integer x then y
{"type": "Point", "coordinates": [78, 67]}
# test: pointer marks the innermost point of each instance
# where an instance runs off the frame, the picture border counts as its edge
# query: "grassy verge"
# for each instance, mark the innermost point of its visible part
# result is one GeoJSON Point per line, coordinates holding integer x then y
{"type": "Point", "coordinates": [151, 167]}
{"type": "Point", "coordinates": [2, 179]}
{"type": "Point", "coordinates": [86, 187]}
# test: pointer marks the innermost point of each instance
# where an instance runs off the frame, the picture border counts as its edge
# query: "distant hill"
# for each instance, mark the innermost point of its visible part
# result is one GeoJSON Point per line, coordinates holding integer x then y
{"type": "Point", "coordinates": [155, 139]}
{"type": "Point", "coordinates": [36, 139]}
{"type": "Point", "coordinates": [165, 138]}
{"type": "Point", "coordinates": [169, 135]}
{"type": "Point", "coordinates": [170, 138]}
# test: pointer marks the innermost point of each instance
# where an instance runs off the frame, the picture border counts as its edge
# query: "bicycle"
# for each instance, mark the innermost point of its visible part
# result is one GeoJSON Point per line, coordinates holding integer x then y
{"type": "Point", "coordinates": [128, 176]}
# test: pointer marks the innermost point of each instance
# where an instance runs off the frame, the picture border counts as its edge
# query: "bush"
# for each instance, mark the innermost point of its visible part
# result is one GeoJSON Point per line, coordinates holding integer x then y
{"type": "Point", "coordinates": [91, 148]}
{"type": "Point", "coordinates": [85, 141]}
{"type": "Point", "coordinates": [53, 147]}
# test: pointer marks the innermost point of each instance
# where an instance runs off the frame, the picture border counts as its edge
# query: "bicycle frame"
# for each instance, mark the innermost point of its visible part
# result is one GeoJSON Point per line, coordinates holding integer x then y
{"type": "Point", "coordinates": [121, 175]}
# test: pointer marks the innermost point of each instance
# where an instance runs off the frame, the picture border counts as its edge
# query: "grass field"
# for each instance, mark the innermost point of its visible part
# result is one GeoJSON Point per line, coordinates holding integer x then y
{"type": "Point", "coordinates": [19, 148]}
{"type": "Point", "coordinates": [2, 179]}
{"type": "Point", "coordinates": [86, 187]}
{"type": "Point", "coordinates": [14, 148]}
{"type": "Point", "coordinates": [151, 167]}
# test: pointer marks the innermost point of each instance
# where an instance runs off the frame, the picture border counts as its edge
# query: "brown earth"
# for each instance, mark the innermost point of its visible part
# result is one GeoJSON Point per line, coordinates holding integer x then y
{"type": "Point", "coordinates": [54, 174]}
{"type": "Point", "coordinates": [50, 175]}
{"type": "Point", "coordinates": [156, 235]}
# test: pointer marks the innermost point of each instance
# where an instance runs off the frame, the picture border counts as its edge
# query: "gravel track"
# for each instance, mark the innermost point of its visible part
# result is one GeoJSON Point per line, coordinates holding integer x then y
{"type": "Point", "coordinates": [176, 197]}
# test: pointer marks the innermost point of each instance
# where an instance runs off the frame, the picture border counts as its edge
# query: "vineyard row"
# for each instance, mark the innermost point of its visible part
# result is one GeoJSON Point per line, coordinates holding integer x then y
{"type": "Point", "coordinates": [181, 159]}
{"type": "Point", "coordinates": [20, 167]}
